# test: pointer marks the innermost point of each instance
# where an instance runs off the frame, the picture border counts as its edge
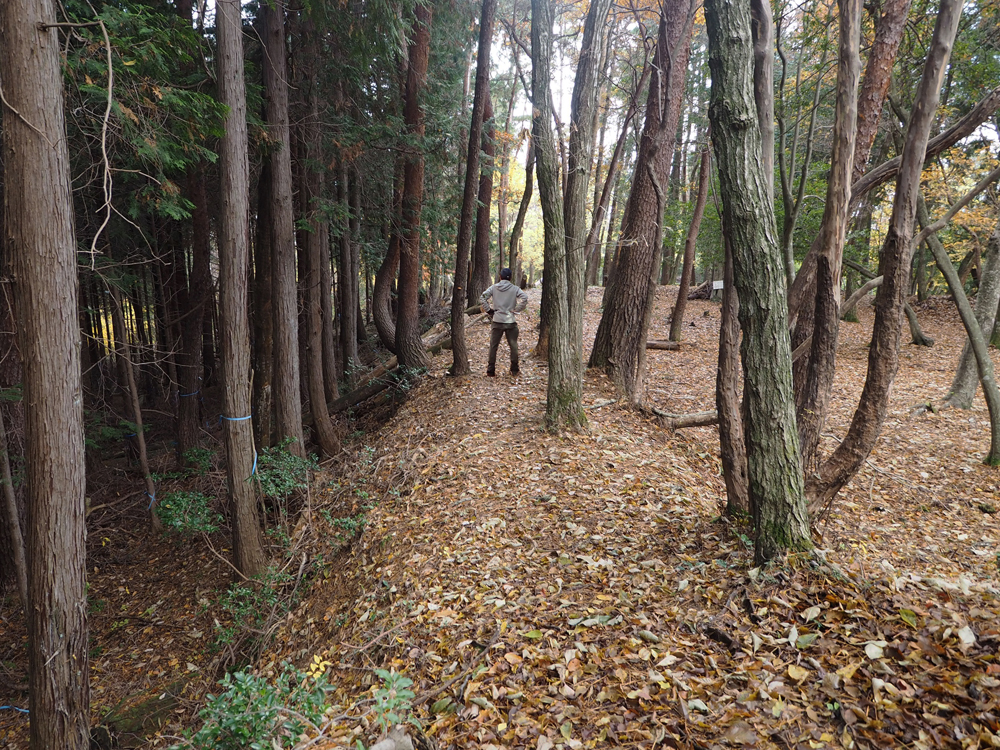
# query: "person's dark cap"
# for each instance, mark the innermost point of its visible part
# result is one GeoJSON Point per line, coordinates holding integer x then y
{"type": "Point", "coordinates": [505, 273]}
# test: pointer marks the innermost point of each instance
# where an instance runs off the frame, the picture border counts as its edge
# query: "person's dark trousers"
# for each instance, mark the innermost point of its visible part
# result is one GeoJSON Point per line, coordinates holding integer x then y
{"type": "Point", "coordinates": [497, 332]}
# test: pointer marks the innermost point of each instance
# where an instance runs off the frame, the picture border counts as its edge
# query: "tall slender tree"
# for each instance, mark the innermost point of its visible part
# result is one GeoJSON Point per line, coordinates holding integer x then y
{"type": "Point", "coordinates": [894, 267]}
{"type": "Point", "coordinates": [409, 348]}
{"type": "Point", "coordinates": [774, 470]}
{"type": "Point", "coordinates": [234, 256]}
{"type": "Point", "coordinates": [460, 354]}
{"type": "Point", "coordinates": [618, 344]}
{"type": "Point", "coordinates": [39, 235]}
{"type": "Point", "coordinates": [287, 385]}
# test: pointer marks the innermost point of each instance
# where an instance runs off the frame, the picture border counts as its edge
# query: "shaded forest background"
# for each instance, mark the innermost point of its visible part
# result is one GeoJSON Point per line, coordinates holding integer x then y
{"type": "Point", "coordinates": [395, 157]}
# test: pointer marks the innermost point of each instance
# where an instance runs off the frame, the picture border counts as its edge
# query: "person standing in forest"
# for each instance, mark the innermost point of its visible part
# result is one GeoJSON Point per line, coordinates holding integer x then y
{"type": "Point", "coordinates": [506, 301]}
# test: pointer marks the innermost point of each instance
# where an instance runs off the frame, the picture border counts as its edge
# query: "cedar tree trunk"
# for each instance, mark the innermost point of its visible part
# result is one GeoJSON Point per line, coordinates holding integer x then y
{"type": "Point", "coordinates": [39, 239]}
{"type": "Point", "coordinates": [234, 237]}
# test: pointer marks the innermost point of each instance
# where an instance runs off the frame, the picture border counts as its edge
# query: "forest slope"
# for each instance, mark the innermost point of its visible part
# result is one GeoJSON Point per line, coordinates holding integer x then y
{"type": "Point", "coordinates": [581, 590]}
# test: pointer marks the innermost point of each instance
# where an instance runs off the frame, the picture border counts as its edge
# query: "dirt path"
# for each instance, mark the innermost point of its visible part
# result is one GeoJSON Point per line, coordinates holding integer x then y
{"type": "Point", "coordinates": [581, 590]}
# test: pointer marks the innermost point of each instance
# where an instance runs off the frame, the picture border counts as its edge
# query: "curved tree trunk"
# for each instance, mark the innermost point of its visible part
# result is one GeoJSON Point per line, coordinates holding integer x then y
{"type": "Point", "coordinates": [774, 469]}
{"type": "Point", "coordinates": [234, 235]}
{"type": "Point", "coordinates": [977, 339]}
{"type": "Point", "coordinates": [459, 350]}
{"type": "Point", "coordinates": [409, 348]}
{"type": "Point", "coordinates": [38, 231]}
{"type": "Point", "coordinates": [677, 322]}
{"type": "Point", "coordinates": [883, 355]}
{"type": "Point", "coordinates": [963, 387]}
{"type": "Point", "coordinates": [813, 398]}
{"type": "Point", "coordinates": [385, 325]}
{"type": "Point", "coordinates": [617, 345]}
{"type": "Point", "coordinates": [287, 385]}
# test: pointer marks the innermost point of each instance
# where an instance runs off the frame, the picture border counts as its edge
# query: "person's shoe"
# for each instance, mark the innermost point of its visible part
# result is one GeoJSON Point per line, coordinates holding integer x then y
{"type": "Point", "coordinates": [515, 371]}
{"type": "Point", "coordinates": [491, 373]}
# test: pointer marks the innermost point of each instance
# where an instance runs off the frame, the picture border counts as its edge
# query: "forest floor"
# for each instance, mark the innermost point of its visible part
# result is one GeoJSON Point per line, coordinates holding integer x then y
{"type": "Point", "coordinates": [582, 590]}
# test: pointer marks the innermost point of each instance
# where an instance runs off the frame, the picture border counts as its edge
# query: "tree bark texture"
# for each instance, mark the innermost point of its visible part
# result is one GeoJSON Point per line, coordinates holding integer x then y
{"type": "Point", "coordinates": [317, 242]}
{"type": "Point", "coordinates": [566, 355]}
{"type": "Point", "coordinates": [894, 267]}
{"type": "Point", "coordinates": [287, 385]}
{"type": "Point", "coordinates": [963, 386]}
{"type": "Point", "coordinates": [563, 408]}
{"type": "Point", "coordinates": [479, 279]}
{"type": "Point", "coordinates": [704, 174]}
{"type": "Point", "coordinates": [732, 445]}
{"type": "Point", "coordinates": [192, 314]}
{"type": "Point", "coordinates": [878, 74]}
{"type": "Point", "coordinates": [385, 324]}
{"type": "Point", "coordinates": [263, 315]}
{"type": "Point", "coordinates": [774, 469]}
{"type": "Point", "coordinates": [39, 239]}
{"type": "Point", "coordinates": [410, 351]}
{"type": "Point", "coordinates": [617, 344]}
{"type": "Point", "coordinates": [813, 397]}
{"type": "Point", "coordinates": [459, 350]}
{"type": "Point", "coordinates": [348, 289]}
{"type": "Point", "coordinates": [234, 236]}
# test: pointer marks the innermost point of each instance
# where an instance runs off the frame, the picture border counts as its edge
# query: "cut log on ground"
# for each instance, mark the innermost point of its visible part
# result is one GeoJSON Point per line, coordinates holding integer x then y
{"type": "Point", "coordinates": [670, 346]}
{"type": "Point", "coordinates": [678, 421]}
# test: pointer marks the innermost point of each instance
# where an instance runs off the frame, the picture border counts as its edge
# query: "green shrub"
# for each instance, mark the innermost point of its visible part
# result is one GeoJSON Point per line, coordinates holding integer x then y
{"type": "Point", "coordinates": [188, 513]}
{"type": "Point", "coordinates": [251, 604]}
{"type": "Point", "coordinates": [251, 712]}
{"type": "Point", "coordinates": [281, 473]}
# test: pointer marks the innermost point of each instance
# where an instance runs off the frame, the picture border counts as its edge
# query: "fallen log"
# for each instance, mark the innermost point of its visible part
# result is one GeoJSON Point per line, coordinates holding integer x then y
{"type": "Point", "coordinates": [670, 346]}
{"type": "Point", "coordinates": [678, 421]}
{"type": "Point", "coordinates": [434, 340]}
{"type": "Point", "coordinates": [702, 291]}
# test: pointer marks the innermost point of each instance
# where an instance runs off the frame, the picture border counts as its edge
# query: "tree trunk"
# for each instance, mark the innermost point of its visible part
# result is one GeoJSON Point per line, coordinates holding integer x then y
{"type": "Point", "coordinates": [263, 314]}
{"type": "Point", "coordinates": [347, 289]}
{"type": "Point", "coordinates": [883, 354]}
{"type": "Point", "coordinates": [192, 318]}
{"type": "Point", "coordinates": [803, 290]}
{"type": "Point", "coordinates": [677, 322]}
{"type": "Point", "coordinates": [460, 354]}
{"type": "Point", "coordinates": [568, 291]}
{"type": "Point", "coordinates": [593, 250]}
{"type": "Point", "coordinates": [317, 242]}
{"type": "Point", "coordinates": [480, 277]}
{"type": "Point", "coordinates": [774, 469]}
{"type": "Point", "coordinates": [410, 351]}
{"type": "Point", "coordinates": [732, 445]}
{"type": "Point", "coordinates": [522, 210]}
{"type": "Point", "coordinates": [287, 384]}
{"type": "Point", "coordinates": [385, 325]}
{"type": "Point", "coordinates": [977, 340]}
{"type": "Point", "coordinates": [813, 398]}
{"type": "Point", "coordinates": [38, 230]}
{"type": "Point", "coordinates": [330, 364]}
{"type": "Point", "coordinates": [131, 395]}
{"type": "Point", "coordinates": [963, 387]}
{"type": "Point", "coordinates": [234, 235]}
{"type": "Point", "coordinates": [617, 345]}
{"type": "Point", "coordinates": [878, 74]}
